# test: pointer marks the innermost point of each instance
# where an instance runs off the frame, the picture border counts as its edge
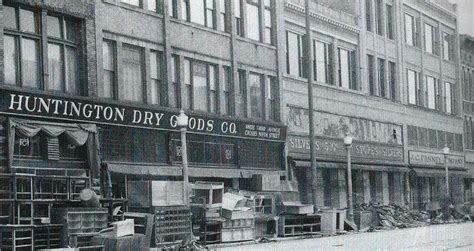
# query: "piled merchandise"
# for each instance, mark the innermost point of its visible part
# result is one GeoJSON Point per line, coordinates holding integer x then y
{"type": "Point", "coordinates": [394, 216]}
{"type": "Point", "coordinates": [263, 205]}
{"type": "Point", "coordinates": [206, 207]}
{"type": "Point", "coordinates": [239, 224]}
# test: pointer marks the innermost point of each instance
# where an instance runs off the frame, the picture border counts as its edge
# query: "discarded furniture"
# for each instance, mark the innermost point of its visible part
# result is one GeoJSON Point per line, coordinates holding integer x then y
{"type": "Point", "coordinates": [143, 195]}
{"type": "Point", "coordinates": [211, 192]}
{"type": "Point", "coordinates": [172, 225]}
{"type": "Point", "coordinates": [143, 225]}
{"type": "Point", "coordinates": [297, 225]}
{"type": "Point", "coordinates": [79, 224]}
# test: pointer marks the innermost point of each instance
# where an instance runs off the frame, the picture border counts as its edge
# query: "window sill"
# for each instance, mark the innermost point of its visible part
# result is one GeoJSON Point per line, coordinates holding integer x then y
{"type": "Point", "coordinates": [380, 98]}
{"type": "Point", "coordinates": [256, 42]}
{"type": "Point", "coordinates": [329, 86]}
{"type": "Point", "coordinates": [413, 47]}
{"type": "Point", "coordinates": [135, 8]}
{"type": "Point", "coordinates": [423, 108]}
{"type": "Point", "coordinates": [449, 61]}
{"type": "Point", "coordinates": [198, 26]}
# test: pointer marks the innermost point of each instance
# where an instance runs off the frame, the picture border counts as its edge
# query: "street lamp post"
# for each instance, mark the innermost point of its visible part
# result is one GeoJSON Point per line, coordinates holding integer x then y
{"type": "Point", "coordinates": [348, 145]}
{"type": "Point", "coordinates": [182, 121]}
{"type": "Point", "coordinates": [445, 153]}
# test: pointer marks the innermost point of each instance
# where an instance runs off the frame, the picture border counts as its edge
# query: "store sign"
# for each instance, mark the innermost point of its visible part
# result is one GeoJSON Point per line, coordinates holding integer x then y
{"type": "Point", "coordinates": [329, 147]}
{"type": "Point", "coordinates": [434, 159]}
{"type": "Point", "coordinates": [12, 102]}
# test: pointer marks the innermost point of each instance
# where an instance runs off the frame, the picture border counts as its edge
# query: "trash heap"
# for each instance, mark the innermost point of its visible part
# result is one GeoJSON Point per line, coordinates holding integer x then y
{"type": "Point", "coordinates": [391, 216]}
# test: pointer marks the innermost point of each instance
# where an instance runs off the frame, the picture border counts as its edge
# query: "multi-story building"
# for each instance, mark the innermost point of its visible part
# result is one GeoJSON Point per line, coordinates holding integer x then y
{"type": "Point", "coordinates": [90, 91]}
{"type": "Point", "coordinates": [387, 73]}
{"type": "Point", "coordinates": [467, 72]}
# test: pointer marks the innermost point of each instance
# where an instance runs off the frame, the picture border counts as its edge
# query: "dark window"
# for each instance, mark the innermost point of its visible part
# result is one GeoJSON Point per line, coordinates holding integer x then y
{"type": "Point", "coordinates": [423, 137]}
{"type": "Point", "coordinates": [441, 139]}
{"type": "Point", "coordinates": [370, 69]}
{"type": "Point", "coordinates": [155, 90]}
{"type": "Point", "coordinates": [382, 79]}
{"type": "Point", "coordinates": [450, 140]}
{"type": "Point", "coordinates": [255, 88]}
{"type": "Point", "coordinates": [412, 135]}
{"type": "Point", "coordinates": [69, 151]}
{"type": "Point", "coordinates": [155, 6]}
{"type": "Point", "coordinates": [271, 96]}
{"type": "Point", "coordinates": [379, 17]}
{"type": "Point", "coordinates": [238, 17]}
{"type": "Point", "coordinates": [432, 138]}
{"type": "Point", "coordinates": [368, 14]}
{"type": "Point", "coordinates": [33, 147]}
{"type": "Point", "coordinates": [458, 142]}
{"type": "Point", "coordinates": [106, 90]}
{"type": "Point", "coordinates": [268, 22]}
{"type": "Point", "coordinates": [226, 90]}
{"type": "Point", "coordinates": [240, 101]}
{"type": "Point", "coordinates": [175, 79]}
{"type": "Point", "coordinates": [392, 80]}
{"type": "Point", "coordinates": [390, 22]}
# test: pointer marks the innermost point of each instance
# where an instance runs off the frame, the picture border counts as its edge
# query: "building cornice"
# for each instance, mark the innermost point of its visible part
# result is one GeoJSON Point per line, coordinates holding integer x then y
{"type": "Point", "coordinates": [314, 15]}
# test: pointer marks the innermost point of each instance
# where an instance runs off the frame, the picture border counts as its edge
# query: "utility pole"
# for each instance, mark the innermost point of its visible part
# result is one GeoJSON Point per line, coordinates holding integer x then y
{"type": "Point", "coordinates": [309, 74]}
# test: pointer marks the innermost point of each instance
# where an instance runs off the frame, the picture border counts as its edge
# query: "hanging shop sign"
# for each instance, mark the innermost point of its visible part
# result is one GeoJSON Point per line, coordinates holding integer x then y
{"type": "Point", "coordinates": [335, 148]}
{"type": "Point", "coordinates": [419, 158]}
{"type": "Point", "coordinates": [13, 102]}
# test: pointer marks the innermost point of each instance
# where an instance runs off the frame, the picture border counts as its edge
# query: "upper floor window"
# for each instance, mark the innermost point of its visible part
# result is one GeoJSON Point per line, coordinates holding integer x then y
{"type": "Point", "coordinates": [449, 97]}
{"type": "Point", "coordinates": [432, 92]}
{"type": "Point", "coordinates": [411, 30]}
{"type": "Point", "coordinates": [132, 2]}
{"type": "Point", "coordinates": [392, 78]}
{"type": "Point", "coordinates": [226, 87]}
{"type": "Point", "coordinates": [200, 86]}
{"type": "Point", "coordinates": [271, 94]}
{"type": "Point", "coordinates": [390, 22]}
{"type": "Point", "coordinates": [268, 22]}
{"type": "Point", "coordinates": [109, 66]}
{"type": "Point", "coordinates": [253, 20]}
{"type": "Point", "coordinates": [347, 69]}
{"type": "Point", "coordinates": [154, 5]}
{"type": "Point", "coordinates": [24, 57]}
{"type": "Point", "coordinates": [223, 15]}
{"type": "Point", "coordinates": [200, 11]}
{"type": "Point", "coordinates": [431, 41]}
{"type": "Point", "coordinates": [238, 17]}
{"type": "Point", "coordinates": [241, 93]}
{"type": "Point", "coordinates": [155, 91]}
{"type": "Point", "coordinates": [414, 88]}
{"type": "Point", "coordinates": [294, 54]}
{"type": "Point", "coordinates": [322, 66]}
{"type": "Point", "coordinates": [382, 78]}
{"type": "Point", "coordinates": [370, 73]}
{"type": "Point", "coordinates": [256, 95]}
{"type": "Point", "coordinates": [379, 17]}
{"type": "Point", "coordinates": [368, 14]}
{"type": "Point", "coordinates": [447, 46]}
{"type": "Point", "coordinates": [131, 87]}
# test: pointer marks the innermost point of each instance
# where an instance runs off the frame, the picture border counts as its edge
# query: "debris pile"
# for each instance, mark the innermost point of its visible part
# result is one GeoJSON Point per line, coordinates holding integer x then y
{"type": "Point", "coordinates": [395, 216]}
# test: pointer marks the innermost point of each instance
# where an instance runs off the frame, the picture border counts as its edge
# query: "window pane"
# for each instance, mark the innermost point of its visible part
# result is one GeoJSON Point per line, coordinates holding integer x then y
{"type": "Point", "coordinates": [409, 30]}
{"type": "Point", "coordinates": [256, 101]}
{"type": "Point", "coordinates": [155, 74]}
{"type": "Point", "coordinates": [108, 62]}
{"type": "Point", "coordinates": [411, 87]}
{"type": "Point", "coordinates": [197, 11]}
{"type": "Point", "coordinates": [321, 61]}
{"type": "Point", "coordinates": [71, 30]}
{"type": "Point", "coordinates": [132, 67]}
{"type": "Point", "coordinates": [187, 82]}
{"type": "Point", "coordinates": [213, 88]}
{"type": "Point", "coordinates": [268, 26]}
{"type": "Point", "coordinates": [226, 89]}
{"type": "Point", "coordinates": [240, 104]}
{"type": "Point", "coordinates": [30, 63]}
{"type": "Point", "coordinates": [237, 8]}
{"type": "Point", "coordinates": [271, 97]}
{"type": "Point", "coordinates": [28, 21]}
{"type": "Point", "coordinates": [446, 46]}
{"type": "Point", "coordinates": [382, 77]}
{"type": "Point", "coordinates": [428, 38]}
{"type": "Point", "coordinates": [430, 85]}
{"type": "Point", "coordinates": [54, 27]}
{"type": "Point", "coordinates": [55, 65]}
{"type": "Point", "coordinates": [293, 53]}
{"type": "Point", "coordinates": [9, 17]}
{"type": "Point", "coordinates": [448, 87]}
{"type": "Point", "coordinates": [152, 5]}
{"type": "Point", "coordinates": [71, 70]}
{"type": "Point", "coordinates": [344, 68]}
{"type": "Point", "coordinates": [199, 86]}
{"type": "Point", "coordinates": [10, 57]}
{"type": "Point", "coordinates": [131, 2]}
{"type": "Point", "coordinates": [253, 22]}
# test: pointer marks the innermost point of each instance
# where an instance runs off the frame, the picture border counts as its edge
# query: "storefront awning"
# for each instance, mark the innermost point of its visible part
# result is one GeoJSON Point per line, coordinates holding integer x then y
{"type": "Point", "coordinates": [167, 170]}
{"type": "Point", "coordinates": [307, 164]}
{"type": "Point", "coordinates": [439, 173]}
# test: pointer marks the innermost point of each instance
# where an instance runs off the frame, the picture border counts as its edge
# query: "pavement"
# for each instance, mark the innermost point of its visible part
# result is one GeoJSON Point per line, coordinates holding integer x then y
{"type": "Point", "coordinates": [435, 237]}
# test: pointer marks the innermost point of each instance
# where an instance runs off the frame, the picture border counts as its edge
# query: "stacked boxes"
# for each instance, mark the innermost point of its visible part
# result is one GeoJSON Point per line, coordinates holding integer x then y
{"type": "Point", "coordinates": [172, 225]}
